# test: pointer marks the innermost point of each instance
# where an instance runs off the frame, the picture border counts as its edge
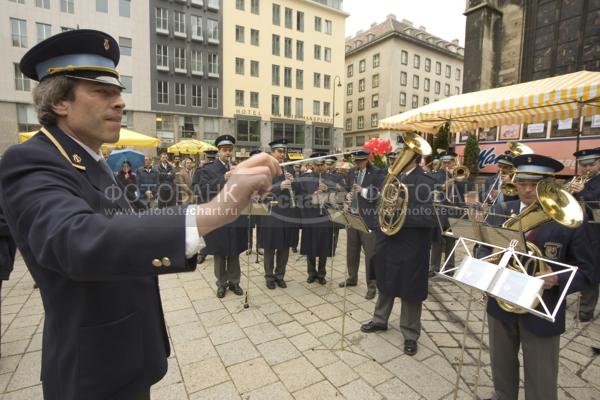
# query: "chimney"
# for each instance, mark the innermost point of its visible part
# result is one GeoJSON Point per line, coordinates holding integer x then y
{"type": "Point", "coordinates": [423, 28]}
{"type": "Point", "coordinates": [407, 22]}
{"type": "Point", "coordinates": [391, 16]}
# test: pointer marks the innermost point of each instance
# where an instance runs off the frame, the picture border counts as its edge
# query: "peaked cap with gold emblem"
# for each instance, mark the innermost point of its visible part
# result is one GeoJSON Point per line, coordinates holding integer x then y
{"type": "Point", "coordinates": [536, 166]}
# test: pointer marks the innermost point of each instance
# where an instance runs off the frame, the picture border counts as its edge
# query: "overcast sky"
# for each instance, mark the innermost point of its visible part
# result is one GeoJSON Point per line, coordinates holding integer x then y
{"type": "Point", "coordinates": [443, 18]}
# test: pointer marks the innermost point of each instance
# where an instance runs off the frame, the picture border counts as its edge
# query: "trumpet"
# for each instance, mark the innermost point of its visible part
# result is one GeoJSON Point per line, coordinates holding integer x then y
{"type": "Point", "coordinates": [290, 178]}
{"type": "Point", "coordinates": [517, 149]}
{"type": "Point", "coordinates": [434, 165]}
{"type": "Point", "coordinates": [578, 179]}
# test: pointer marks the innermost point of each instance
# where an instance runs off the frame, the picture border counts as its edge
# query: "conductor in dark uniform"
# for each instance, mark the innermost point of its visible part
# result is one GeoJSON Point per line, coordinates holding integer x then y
{"type": "Point", "coordinates": [227, 242]}
{"type": "Point", "coordinates": [94, 259]}
{"type": "Point", "coordinates": [538, 338]}
{"type": "Point", "coordinates": [588, 193]}
{"type": "Point", "coordinates": [210, 156]}
{"type": "Point", "coordinates": [8, 249]}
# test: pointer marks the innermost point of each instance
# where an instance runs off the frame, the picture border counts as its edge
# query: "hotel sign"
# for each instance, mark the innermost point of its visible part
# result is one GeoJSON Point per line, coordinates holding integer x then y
{"type": "Point", "coordinates": [306, 118]}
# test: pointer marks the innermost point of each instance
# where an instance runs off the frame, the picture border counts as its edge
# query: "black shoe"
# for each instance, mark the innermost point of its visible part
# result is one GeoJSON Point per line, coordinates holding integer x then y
{"type": "Point", "coordinates": [260, 252]}
{"type": "Point", "coordinates": [370, 294]}
{"type": "Point", "coordinates": [248, 252]}
{"type": "Point", "coordinates": [281, 283]}
{"type": "Point", "coordinates": [585, 317]}
{"type": "Point", "coordinates": [236, 289]}
{"type": "Point", "coordinates": [270, 285]}
{"type": "Point", "coordinates": [431, 274]}
{"type": "Point", "coordinates": [311, 279]}
{"type": "Point", "coordinates": [35, 286]}
{"type": "Point", "coordinates": [294, 249]}
{"type": "Point", "coordinates": [410, 347]}
{"type": "Point", "coordinates": [322, 280]}
{"type": "Point", "coordinates": [347, 284]}
{"type": "Point", "coordinates": [221, 291]}
{"type": "Point", "coordinates": [370, 327]}
{"type": "Point", "coordinates": [201, 258]}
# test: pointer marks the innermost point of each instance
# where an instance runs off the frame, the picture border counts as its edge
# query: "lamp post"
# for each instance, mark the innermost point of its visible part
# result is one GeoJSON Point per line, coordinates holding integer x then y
{"type": "Point", "coordinates": [339, 84]}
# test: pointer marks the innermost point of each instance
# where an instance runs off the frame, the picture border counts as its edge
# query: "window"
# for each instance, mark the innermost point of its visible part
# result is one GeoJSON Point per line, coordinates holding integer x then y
{"type": "Point", "coordinates": [350, 71]}
{"type": "Point", "coordinates": [287, 47]}
{"type": "Point", "coordinates": [287, 77]}
{"type": "Point", "coordinates": [428, 65]}
{"type": "Point", "coordinates": [299, 79]}
{"type": "Point", "coordinates": [293, 132]}
{"type": "Point", "coordinates": [375, 81]}
{"type": "Point", "coordinates": [375, 101]}
{"type": "Point", "coordinates": [415, 101]}
{"type": "Point", "coordinates": [162, 20]}
{"type": "Point", "coordinates": [196, 96]}
{"type": "Point", "coordinates": [65, 29]}
{"type": "Point", "coordinates": [212, 28]}
{"type": "Point", "coordinates": [404, 57]}
{"type": "Point", "coordinates": [361, 103]}
{"type": "Point", "coordinates": [328, 27]}
{"type": "Point", "coordinates": [67, 6]}
{"type": "Point", "coordinates": [438, 68]}
{"type": "Point", "coordinates": [44, 31]}
{"type": "Point", "coordinates": [437, 87]}
{"type": "Point", "coordinates": [102, 6]}
{"type": "Point", "coordinates": [213, 66]}
{"type": "Point", "coordinates": [322, 136]}
{"type": "Point", "coordinates": [248, 130]}
{"type": "Point", "coordinates": [275, 45]}
{"type": "Point", "coordinates": [125, 45]}
{"type": "Point", "coordinates": [299, 50]}
{"type": "Point", "coordinates": [457, 74]}
{"type": "Point", "coordinates": [254, 68]}
{"type": "Point", "coordinates": [214, 4]}
{"type": "Point", "coordinates": [254, 99]}
{"type": "Point", "coordinates": [27, 119]}
{"type": "Point", "coordinates": [162, 92]}
{"type": "Point", "coordinates": [254, 37]}
{"type": "Point", "coordinates": [255, 6]}
{"type": "Point", "coordinates": [42, 4]}
{"type": "Point", "coordinates": [179, 24]}
{"type": "Point", "coordinates": [196, 22]}
{"type": "Point", "coordinates": [361, 85]}
{"type": "Point", "coordinates": [446, 90]}
{"type": "Point", "coordinates": [239, 4]}
{"type": "Point", "coordinates": [402, 99]}
{"type": "Point", "coordinates": [239, 98]}
{"type": "Point", "coordinates": [415, 81]}
{"type": "Point", "coordinates": [456, 90]}
{"type": "Point", "coordinates": [327, 81]}
{"type": "Point", "coordinates": [349, 127]}
{"type": "Point", "coordinates": [239, 66]}
{"type": "Point", "coordinates": [300, 21]}
{"type": "Point", "coordinates": [239, 34]}
{"type": "Point", "coordinates": [276, 17]}
{"type": "Point", "coordinates": [448, 71]}
{"type": "Point", "coordinates": [275, 104]}
{"type": "Point", "coordinates": [213, 99]}
{"type": "Point", "coordinates": [349, 106]}
{"type": "Point", "coordinates": [374, 120]}
{"type": "Point", "coordinates": [426, 83]}
{"type": "Point", "coordinates": [299, 107]}
{"type": "Point", "coordinates": [417, 61]}
{"type": "Point", "coordinates": [287, 106]}
{"type": "Point", "coordinates": [425, 101]}
{"type": "Point", "coordinates": [375, 60]}
{"type": "Point", "coordinates": [362, 65]}
{"type": "Point", "coordinates": [162, 57]}
{"type": "Point", "coordinates": [317, 79]}
{"type": "Point", "coordinates": [326, 108]}
{"type": "Point", "coordinates": [360, 124]}
{"type": "Point", "coordinates": [196, 61]}
{"type": "Point", "coordinates": [18, 28]}
{"type": "Point", "coordinates": [327, 54]}
{"type": "Point", "coordinates": [22, 83]}
{"type": "Point", "coordinates": [275, 75]}
{"type": "Point", "coordinates": [316, 107]}
{"type": "Point", "coordinates": [179, 94]}
{"type": "Point", "coordinates": [318, 23]}
{"type": "Point", "coordinates": [317, 52]}
{"type": "Point", "coordinates": [289, 18]}
{"type": "Point", "coordinates": [349, 89]}
{"type": "Point", "coordinates": [180, 60]}
{"type": "Point", "coordinates": [125, 8]}
{"type": "Point", "coordinates": [403, 78]}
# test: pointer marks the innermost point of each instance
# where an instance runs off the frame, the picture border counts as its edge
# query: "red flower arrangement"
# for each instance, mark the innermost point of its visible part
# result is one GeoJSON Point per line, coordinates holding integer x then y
{"type": "Point", "coordinates": [379, 148]}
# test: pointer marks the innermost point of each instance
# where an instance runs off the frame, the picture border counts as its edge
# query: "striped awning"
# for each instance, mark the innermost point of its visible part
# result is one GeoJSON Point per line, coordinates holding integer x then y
{"type": "Point", "coordinates": [559, 97]}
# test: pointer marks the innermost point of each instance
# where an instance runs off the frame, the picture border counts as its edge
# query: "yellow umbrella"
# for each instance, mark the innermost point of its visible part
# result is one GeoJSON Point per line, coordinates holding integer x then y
{"type": "Point", "coordinates": [127, 138]}
{"type": "Point", "coordinates": [190, 146]}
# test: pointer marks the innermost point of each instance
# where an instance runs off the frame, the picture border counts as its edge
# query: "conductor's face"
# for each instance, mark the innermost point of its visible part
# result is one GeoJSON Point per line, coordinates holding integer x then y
{"type": "Point", "coordinates": [526, 190]}
{"type": "Point", "coordinates": [94, 115]}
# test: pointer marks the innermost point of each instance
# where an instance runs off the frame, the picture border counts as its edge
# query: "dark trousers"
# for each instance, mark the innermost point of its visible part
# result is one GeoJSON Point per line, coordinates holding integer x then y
{"type": "Point", "coordinates": [438, 242]}
{"type": "Point", "coordinates": [275, 259]}
{"type": "Point", "coordinates": [312, 266]}
{"type": "Point", "coordinates": [145, 395]}
{"type": "Point", "coordinates": [410, 315]}
{"type": "Point", "coordinates": [589, 298]}
{"type": "Point", "coordinates": [356, 241]}
{"type": "Point", "coordinates": [227, 269]}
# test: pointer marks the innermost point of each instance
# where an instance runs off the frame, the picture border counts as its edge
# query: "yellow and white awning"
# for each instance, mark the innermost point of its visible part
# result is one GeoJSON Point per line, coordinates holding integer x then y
{"type": "Point", "coordinates": [559, 97]}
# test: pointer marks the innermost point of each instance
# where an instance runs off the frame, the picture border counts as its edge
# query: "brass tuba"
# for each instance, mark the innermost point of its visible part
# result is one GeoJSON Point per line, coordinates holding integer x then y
{"type": "Point", "coordinates": [393, 202]}
{"type": "Point", "coordinates": [553, 203]}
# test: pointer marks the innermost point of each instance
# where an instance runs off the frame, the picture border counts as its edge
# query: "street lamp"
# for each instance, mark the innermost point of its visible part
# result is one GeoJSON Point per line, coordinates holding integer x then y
{"type": "Point", "coordinates": [339, 84]}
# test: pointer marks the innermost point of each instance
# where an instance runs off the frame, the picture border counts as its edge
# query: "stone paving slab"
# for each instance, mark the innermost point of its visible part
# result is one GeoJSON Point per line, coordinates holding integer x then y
{"type": "Point", "coordinates": [288, 344]}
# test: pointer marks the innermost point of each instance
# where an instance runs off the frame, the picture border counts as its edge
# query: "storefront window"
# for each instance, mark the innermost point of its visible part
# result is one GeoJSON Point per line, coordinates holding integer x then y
{"type": "Point", "coordinates": [248, 130]}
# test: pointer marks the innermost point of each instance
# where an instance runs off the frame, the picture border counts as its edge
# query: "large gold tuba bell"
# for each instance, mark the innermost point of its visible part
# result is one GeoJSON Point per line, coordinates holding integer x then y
{"type": "Point", "coordinates": [393, 202]}
{"type": "Point", "coordinates": [553, 203]}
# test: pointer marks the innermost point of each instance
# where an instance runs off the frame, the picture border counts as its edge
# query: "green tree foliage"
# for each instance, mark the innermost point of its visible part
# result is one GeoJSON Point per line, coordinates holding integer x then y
{"type": "Point", "coordinates": [442, 139]}
{"type": "Point", "coordinates": [471, 159]}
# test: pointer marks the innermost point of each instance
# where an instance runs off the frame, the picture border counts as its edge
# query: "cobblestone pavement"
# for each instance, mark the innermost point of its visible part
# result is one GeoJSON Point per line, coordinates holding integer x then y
{"type": "Point", "coordinates": [287, 344]}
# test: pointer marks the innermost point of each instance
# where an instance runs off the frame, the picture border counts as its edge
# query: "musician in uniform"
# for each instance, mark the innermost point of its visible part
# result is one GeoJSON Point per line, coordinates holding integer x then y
{"type": "Point", "coordinates": [492, 185]}
{"type": "Point", "coordinates": [227, 242]}
{"type": "Point", "coordinates": [210, 156]}
{"type": "Point", "coordinates": [391, 158]}
{"type": "Point", "coordinates": [337, 188]}
{"type": "Point", "coordinates": [400, 262]}
{"type": "Point", "coordinates": [94, 259]}
{"type": "Point", "coordinates": [364, 183]}
{"type": "Point", "coordinates": [538, 338]}
{"type": "Point", "coordinates": [587, 190]}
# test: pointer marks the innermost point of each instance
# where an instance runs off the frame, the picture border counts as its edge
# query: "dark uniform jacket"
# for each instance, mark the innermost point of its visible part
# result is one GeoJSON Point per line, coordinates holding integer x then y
{"type": "Point", "coordinates": [559, 243]}
{"type": "Point", "coordinates": [231, 239]}
{"type": "Point", "coordinates": [590, 198]}
{"type": "Point", "coordinates": [277, 231]}
{"type": "Point", "coordinates": [104, 331]}
{"type": "Point", "coordinates": [373, 182]}
{"type": "Point", "coordinates": [166, 188]}
{"type": "Point", "coordinates": [147, 180]}
{"type": "Point", "coordinates": [8, 248]}
{"type": "Point", "coordinates": [401, 261]}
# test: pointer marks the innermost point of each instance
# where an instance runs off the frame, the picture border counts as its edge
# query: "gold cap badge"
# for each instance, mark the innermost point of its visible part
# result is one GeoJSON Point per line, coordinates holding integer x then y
{"type": "Point", "coordinates": [76, 158]}
{"type": "Point", "coordinates": [106, 45]}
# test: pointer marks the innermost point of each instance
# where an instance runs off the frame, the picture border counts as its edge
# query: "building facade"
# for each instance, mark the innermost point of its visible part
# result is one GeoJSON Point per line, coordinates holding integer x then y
{"type": "Point", "coordinates": [393, 67]}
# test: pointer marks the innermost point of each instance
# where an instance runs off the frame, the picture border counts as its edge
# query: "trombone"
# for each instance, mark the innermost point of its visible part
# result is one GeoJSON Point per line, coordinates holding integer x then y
{"type": "Point", "coordinates": [460, 173]}
{"type": "Point", "coordinates": [515, 149]}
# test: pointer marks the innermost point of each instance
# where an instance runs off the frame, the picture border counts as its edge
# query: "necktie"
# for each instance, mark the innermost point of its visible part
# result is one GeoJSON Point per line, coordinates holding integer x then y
{"type": "Point", "coordinates": [107, 169]}
{"type": "Point", "coordinates": [361, 176]}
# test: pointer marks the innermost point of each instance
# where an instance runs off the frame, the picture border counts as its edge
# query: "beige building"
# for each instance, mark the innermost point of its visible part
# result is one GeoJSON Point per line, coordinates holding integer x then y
{"type": "Point", "coordinates": [282, 61]}
{"type": "Point", "coordinates": [391, 68]}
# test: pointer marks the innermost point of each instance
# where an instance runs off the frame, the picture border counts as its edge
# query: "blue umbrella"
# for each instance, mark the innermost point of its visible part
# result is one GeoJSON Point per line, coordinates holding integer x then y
{"type": "Point", "coordinates": [117, 157]}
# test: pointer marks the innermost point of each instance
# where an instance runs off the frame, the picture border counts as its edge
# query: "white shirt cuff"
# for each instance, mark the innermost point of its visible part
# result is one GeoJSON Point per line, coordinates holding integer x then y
{"type": "Point", "coordinates": [364, 192]}
{"type": "Point", "coordinates": [193, 241]}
